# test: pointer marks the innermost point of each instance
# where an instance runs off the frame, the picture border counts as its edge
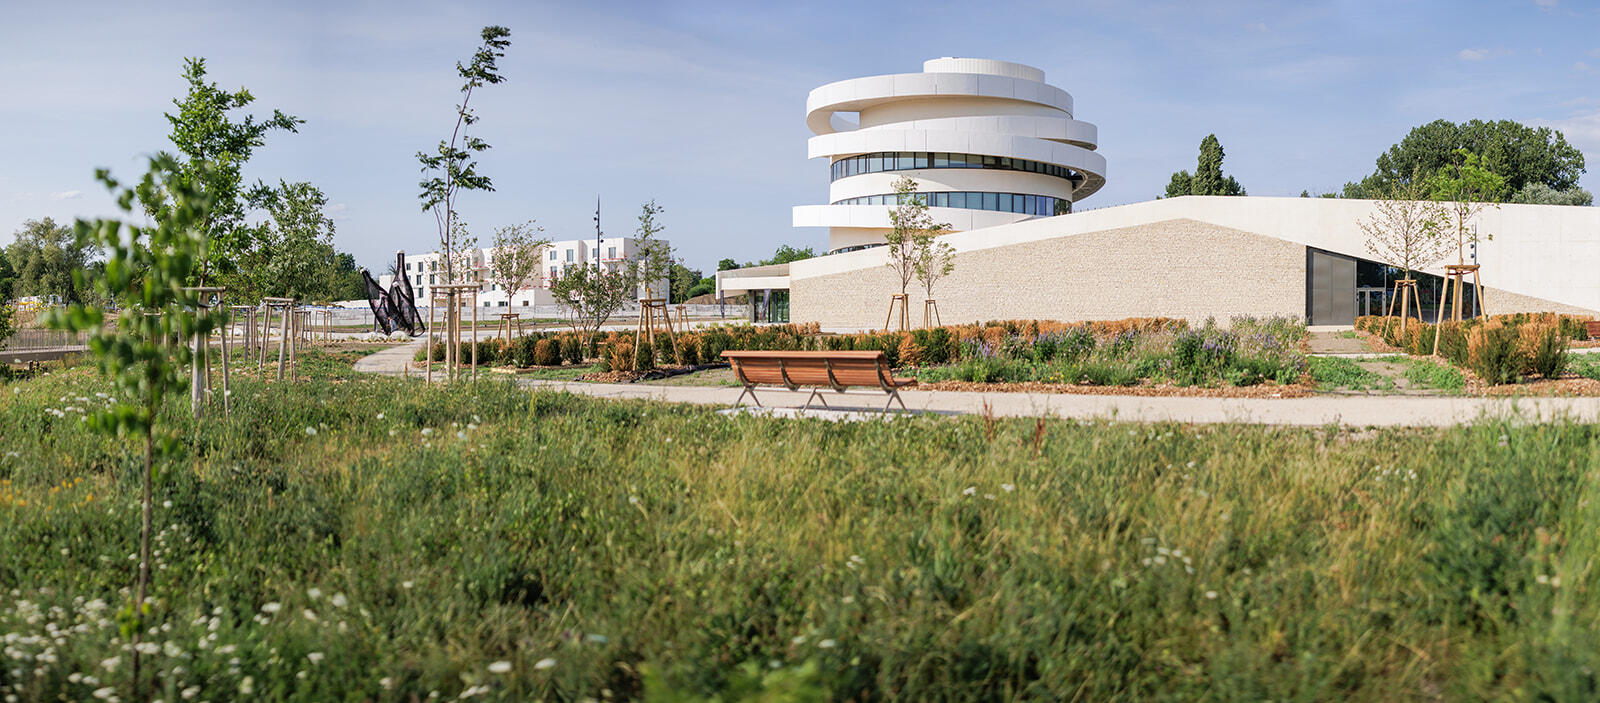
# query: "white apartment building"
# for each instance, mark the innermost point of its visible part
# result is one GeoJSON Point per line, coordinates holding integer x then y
{"type": "Point", "coordinates": [427, 270]}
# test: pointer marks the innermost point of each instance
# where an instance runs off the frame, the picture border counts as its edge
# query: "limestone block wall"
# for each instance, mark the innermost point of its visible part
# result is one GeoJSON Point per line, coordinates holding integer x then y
{"type": "Point", "coordinates": [1174, 268]}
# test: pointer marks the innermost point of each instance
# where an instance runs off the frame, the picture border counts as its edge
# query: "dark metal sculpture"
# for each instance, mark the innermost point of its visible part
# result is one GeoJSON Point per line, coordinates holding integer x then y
{"type": "Point", "coordinates": [397, 308]}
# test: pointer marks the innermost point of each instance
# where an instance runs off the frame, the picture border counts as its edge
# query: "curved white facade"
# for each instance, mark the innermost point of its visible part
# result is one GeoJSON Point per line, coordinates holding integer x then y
{"type": "Point", "coordinates": [988, 142]}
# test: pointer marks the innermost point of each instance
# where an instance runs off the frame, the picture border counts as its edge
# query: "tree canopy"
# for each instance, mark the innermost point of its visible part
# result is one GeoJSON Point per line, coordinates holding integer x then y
{"type": "Point", "coordinates": [1207, 178]}
{"type": "Point", "coordinates": [42, 261]}
{"type": "Point", "coordinates": [1521, 155]}
{"type": "Point", "coordinates": [212, 149]}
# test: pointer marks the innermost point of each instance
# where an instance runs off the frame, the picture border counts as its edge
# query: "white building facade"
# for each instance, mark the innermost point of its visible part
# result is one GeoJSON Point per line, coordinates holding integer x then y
{"type": "Point", "coordinates": [427, 270]}
{"type": "Point", "coordinates": [988, 143]}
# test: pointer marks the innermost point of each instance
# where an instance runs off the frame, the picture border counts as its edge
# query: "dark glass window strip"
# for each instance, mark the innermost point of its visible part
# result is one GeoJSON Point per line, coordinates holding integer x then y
{"type": "Point", "coordinates": [908, 160]}
{"type": "Point", "coordinates": [1040, 205]}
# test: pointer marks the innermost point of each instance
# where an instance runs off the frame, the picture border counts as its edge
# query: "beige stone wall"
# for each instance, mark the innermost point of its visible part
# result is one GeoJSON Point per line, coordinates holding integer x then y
{"type": "Point", "coordinates": [1174, 268]}
{"type": "Point", "coordinates": [1499, 302]}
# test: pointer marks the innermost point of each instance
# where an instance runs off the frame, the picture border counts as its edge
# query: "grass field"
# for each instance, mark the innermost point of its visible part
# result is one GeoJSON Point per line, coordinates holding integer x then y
{"type": "Point", "coordinates": [362, 538]}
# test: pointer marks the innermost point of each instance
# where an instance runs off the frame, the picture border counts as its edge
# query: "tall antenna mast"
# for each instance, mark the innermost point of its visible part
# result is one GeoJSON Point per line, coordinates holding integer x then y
{"type": "Point", "coordinates": [597, 234]}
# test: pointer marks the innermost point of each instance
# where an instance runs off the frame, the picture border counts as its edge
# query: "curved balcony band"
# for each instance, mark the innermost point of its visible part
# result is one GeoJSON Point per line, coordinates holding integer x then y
{"type": "Point", "coordinates": [1091, 165]}
{"type": "Point", "coordinates": [1036, 205]}
{"type": "Point", "coordinates": [912, 160]}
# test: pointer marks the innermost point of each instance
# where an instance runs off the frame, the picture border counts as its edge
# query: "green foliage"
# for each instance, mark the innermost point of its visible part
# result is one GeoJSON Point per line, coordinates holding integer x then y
{"type": "Point", "coordinates": [145, 273]}
{"type": "Point", "coordinates": [523, 351]}
{"type": "Point", "coordinates": [1541, 194]}
{"type": "Point", "coordinates": [727, 265]}
{"type": "Point", "coordinates": [1519, 154]}
{"type": "Point", "coordinates": [516, 256]}
{"type": "Point", "coordinates": [211, 152]}
{"type": "Point", "coordinates": [1428, 373]}
{"type": "Point", "coordinates": [452, 168]}
{"type": "Point", "coordinates": [927, 558]}
{"type": "Point", "coordinates": [42, 262]}
{"type": "Point", "coordinates": [1339, 373]}
{"type": "Point", "coordinates": [1494, 354]}
{"type": "Point", "coordinates": [1208, 178]}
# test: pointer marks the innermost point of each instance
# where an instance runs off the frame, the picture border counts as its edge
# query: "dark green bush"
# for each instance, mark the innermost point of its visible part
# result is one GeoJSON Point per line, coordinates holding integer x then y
{"type": "Point", "coordinates": [571, 349]}
{"type": "Point", "coordinates": [522, 351]}
{"type": "Point", "coordinates": [644, 357]}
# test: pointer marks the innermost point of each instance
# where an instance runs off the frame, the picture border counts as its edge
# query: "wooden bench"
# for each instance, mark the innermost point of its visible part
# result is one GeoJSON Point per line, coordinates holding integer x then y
{"type": "Point", "coordinates": [1593, 328]}
{"type": "Point", "coordinates": [817, 370]}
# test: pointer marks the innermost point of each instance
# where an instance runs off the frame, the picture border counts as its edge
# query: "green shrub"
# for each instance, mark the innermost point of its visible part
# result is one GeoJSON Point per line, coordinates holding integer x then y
{"type": "Point", "coordinates": [571, 349]}
{"type": "Point", "coordinates": [1544, 347]}
{"type": "Point", "coordinates": [522, 351]}
{"type": "Point", "coordinates": [1495, 354]}
{"type": "Point", "coordinates": [644, 357]}
{"type": "Point", "coordinates": [488, 351]}
{"type": "Point", "coordinates": [545, 353]}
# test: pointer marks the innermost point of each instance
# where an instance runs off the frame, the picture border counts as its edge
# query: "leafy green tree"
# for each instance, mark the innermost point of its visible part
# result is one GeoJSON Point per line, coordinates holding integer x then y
{"type": "Point", "coordinates": [934, 259]}
{"type": "Point", "coordinates": [684, 280]}
{"type": "Point", "coordinates": [592, 295]}
{"type": "Point", "coordinates": [146, 270]}
{"type": "Point", "coordinates": [727, 265]}
{"type": "Point", "coordinates": [212, 150]}
{"type": "Point", "coordinates": [1207, 178]}
{"type": "Point", "coordinates": [451, 169]}
{"type": "Point", "coordinates": [45, 255]}
{"type": "Point", "coordinates": [298, 258]}
{"type": "Point", "coordinates": [8, 276]}
{"type": "Point", "coordinates": [786, 254]}
{"type": "Point", "coordinates": [515, 258]}
{"type": "Point", "coordinates": [1466, 187]}
{"type": "Point", "coordinates": [1519, 154]}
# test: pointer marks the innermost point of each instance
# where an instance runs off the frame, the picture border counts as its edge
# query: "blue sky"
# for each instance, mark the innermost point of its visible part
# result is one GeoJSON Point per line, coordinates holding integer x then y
{"type": "Point", "coordinates": [700, 106]}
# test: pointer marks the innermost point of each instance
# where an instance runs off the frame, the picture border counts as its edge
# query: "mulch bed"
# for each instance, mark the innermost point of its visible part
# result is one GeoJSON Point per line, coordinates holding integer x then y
{"type": "Point", "coordinates": [1265, 390]}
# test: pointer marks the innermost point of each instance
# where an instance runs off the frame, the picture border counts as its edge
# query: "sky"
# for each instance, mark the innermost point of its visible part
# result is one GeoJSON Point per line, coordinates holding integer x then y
{"type": "Point", "coordinates": [700, 105]}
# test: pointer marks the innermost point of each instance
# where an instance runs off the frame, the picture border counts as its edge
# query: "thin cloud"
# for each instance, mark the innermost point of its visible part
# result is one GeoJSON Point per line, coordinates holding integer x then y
{"type": "Point", "coordinates": [67, 195]}
{"type": "Point", "coordinates": [1546, 4]}
{"type": "Point", "coordinates": [1594, 52]}
{"type": "Point", "coordinates": [1480, 54]}
{"type": "Point", "coordinates": [1583, 130]}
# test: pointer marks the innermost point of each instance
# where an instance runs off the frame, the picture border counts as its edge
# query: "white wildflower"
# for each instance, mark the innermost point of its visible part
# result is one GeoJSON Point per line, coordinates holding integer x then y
{"type": "Point", "coordinates": [272, 607]}
{"type": "Point", "coordinates": [111, 664]}
{"type": "Point", "coordinates": [1007, 487]}
{"type": "Point", "coordinates": [969, 490]}
{"type": "Point", "coordinates": [314, 592]}
{"type": "Point", "coordinates": [827, 644]}
{"type": "Point", "coordinates": [1212, 595]}
{"type": "Point", "coordinates": [311, 431]}
{"type": "Point", "coordinates": [314, 657]}
{"type": "Point", "coordinates": [544, 664]}
{"type": "Point", "coordinates": [339, 600]}
{"type": "Point", "coordinates": [405, 584]}
{"type": "Point", "coordinates": [500, 667]}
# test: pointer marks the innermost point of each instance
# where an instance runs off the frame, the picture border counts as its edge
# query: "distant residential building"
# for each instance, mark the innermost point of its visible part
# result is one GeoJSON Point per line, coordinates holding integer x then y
{"type": "Point", "coordinates": [427, 270]}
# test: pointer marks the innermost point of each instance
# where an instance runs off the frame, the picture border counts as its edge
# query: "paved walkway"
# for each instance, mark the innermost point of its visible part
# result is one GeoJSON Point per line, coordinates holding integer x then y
{"type": "Point", "coordinates": [1358, 411]}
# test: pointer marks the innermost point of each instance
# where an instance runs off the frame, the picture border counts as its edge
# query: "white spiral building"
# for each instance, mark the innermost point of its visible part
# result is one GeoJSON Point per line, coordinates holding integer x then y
{"type": "Point", "coordinates": [988, 142]}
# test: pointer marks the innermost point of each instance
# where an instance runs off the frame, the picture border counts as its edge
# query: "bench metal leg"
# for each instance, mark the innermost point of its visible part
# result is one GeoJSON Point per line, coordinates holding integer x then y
{"type": "Point", "coordinates": [894, 396]}
{"type": "Point", "coordinates": [816, 394]}
{"type": "Point", "coordinates": [752, 391]}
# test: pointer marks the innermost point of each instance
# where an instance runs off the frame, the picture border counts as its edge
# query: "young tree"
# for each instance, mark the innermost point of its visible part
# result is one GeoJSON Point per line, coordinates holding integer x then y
{"type": "Point", "coordinates": [591, 296]}
{"type": "Point", "coordinates": [1466, 188]}
{"type": "Point", "coordinates": [1405, 233]}
{"type": "Point", "coordinates": [451, 169]}
{"type": "Point", "coordinates": [912, 224]}
{"type": "Point", "coordinates": [212, 150]}
{"type": "Point", "coordinates": [146, 270]}
{"type": "Point", "coordinates": [514, 262]}
{"type": "Point", "coordinates": [683, 279]}
{"type": "Point", "coordinates": [654, 259]}
{"type": "Point", "coordinates": [933, 259]}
